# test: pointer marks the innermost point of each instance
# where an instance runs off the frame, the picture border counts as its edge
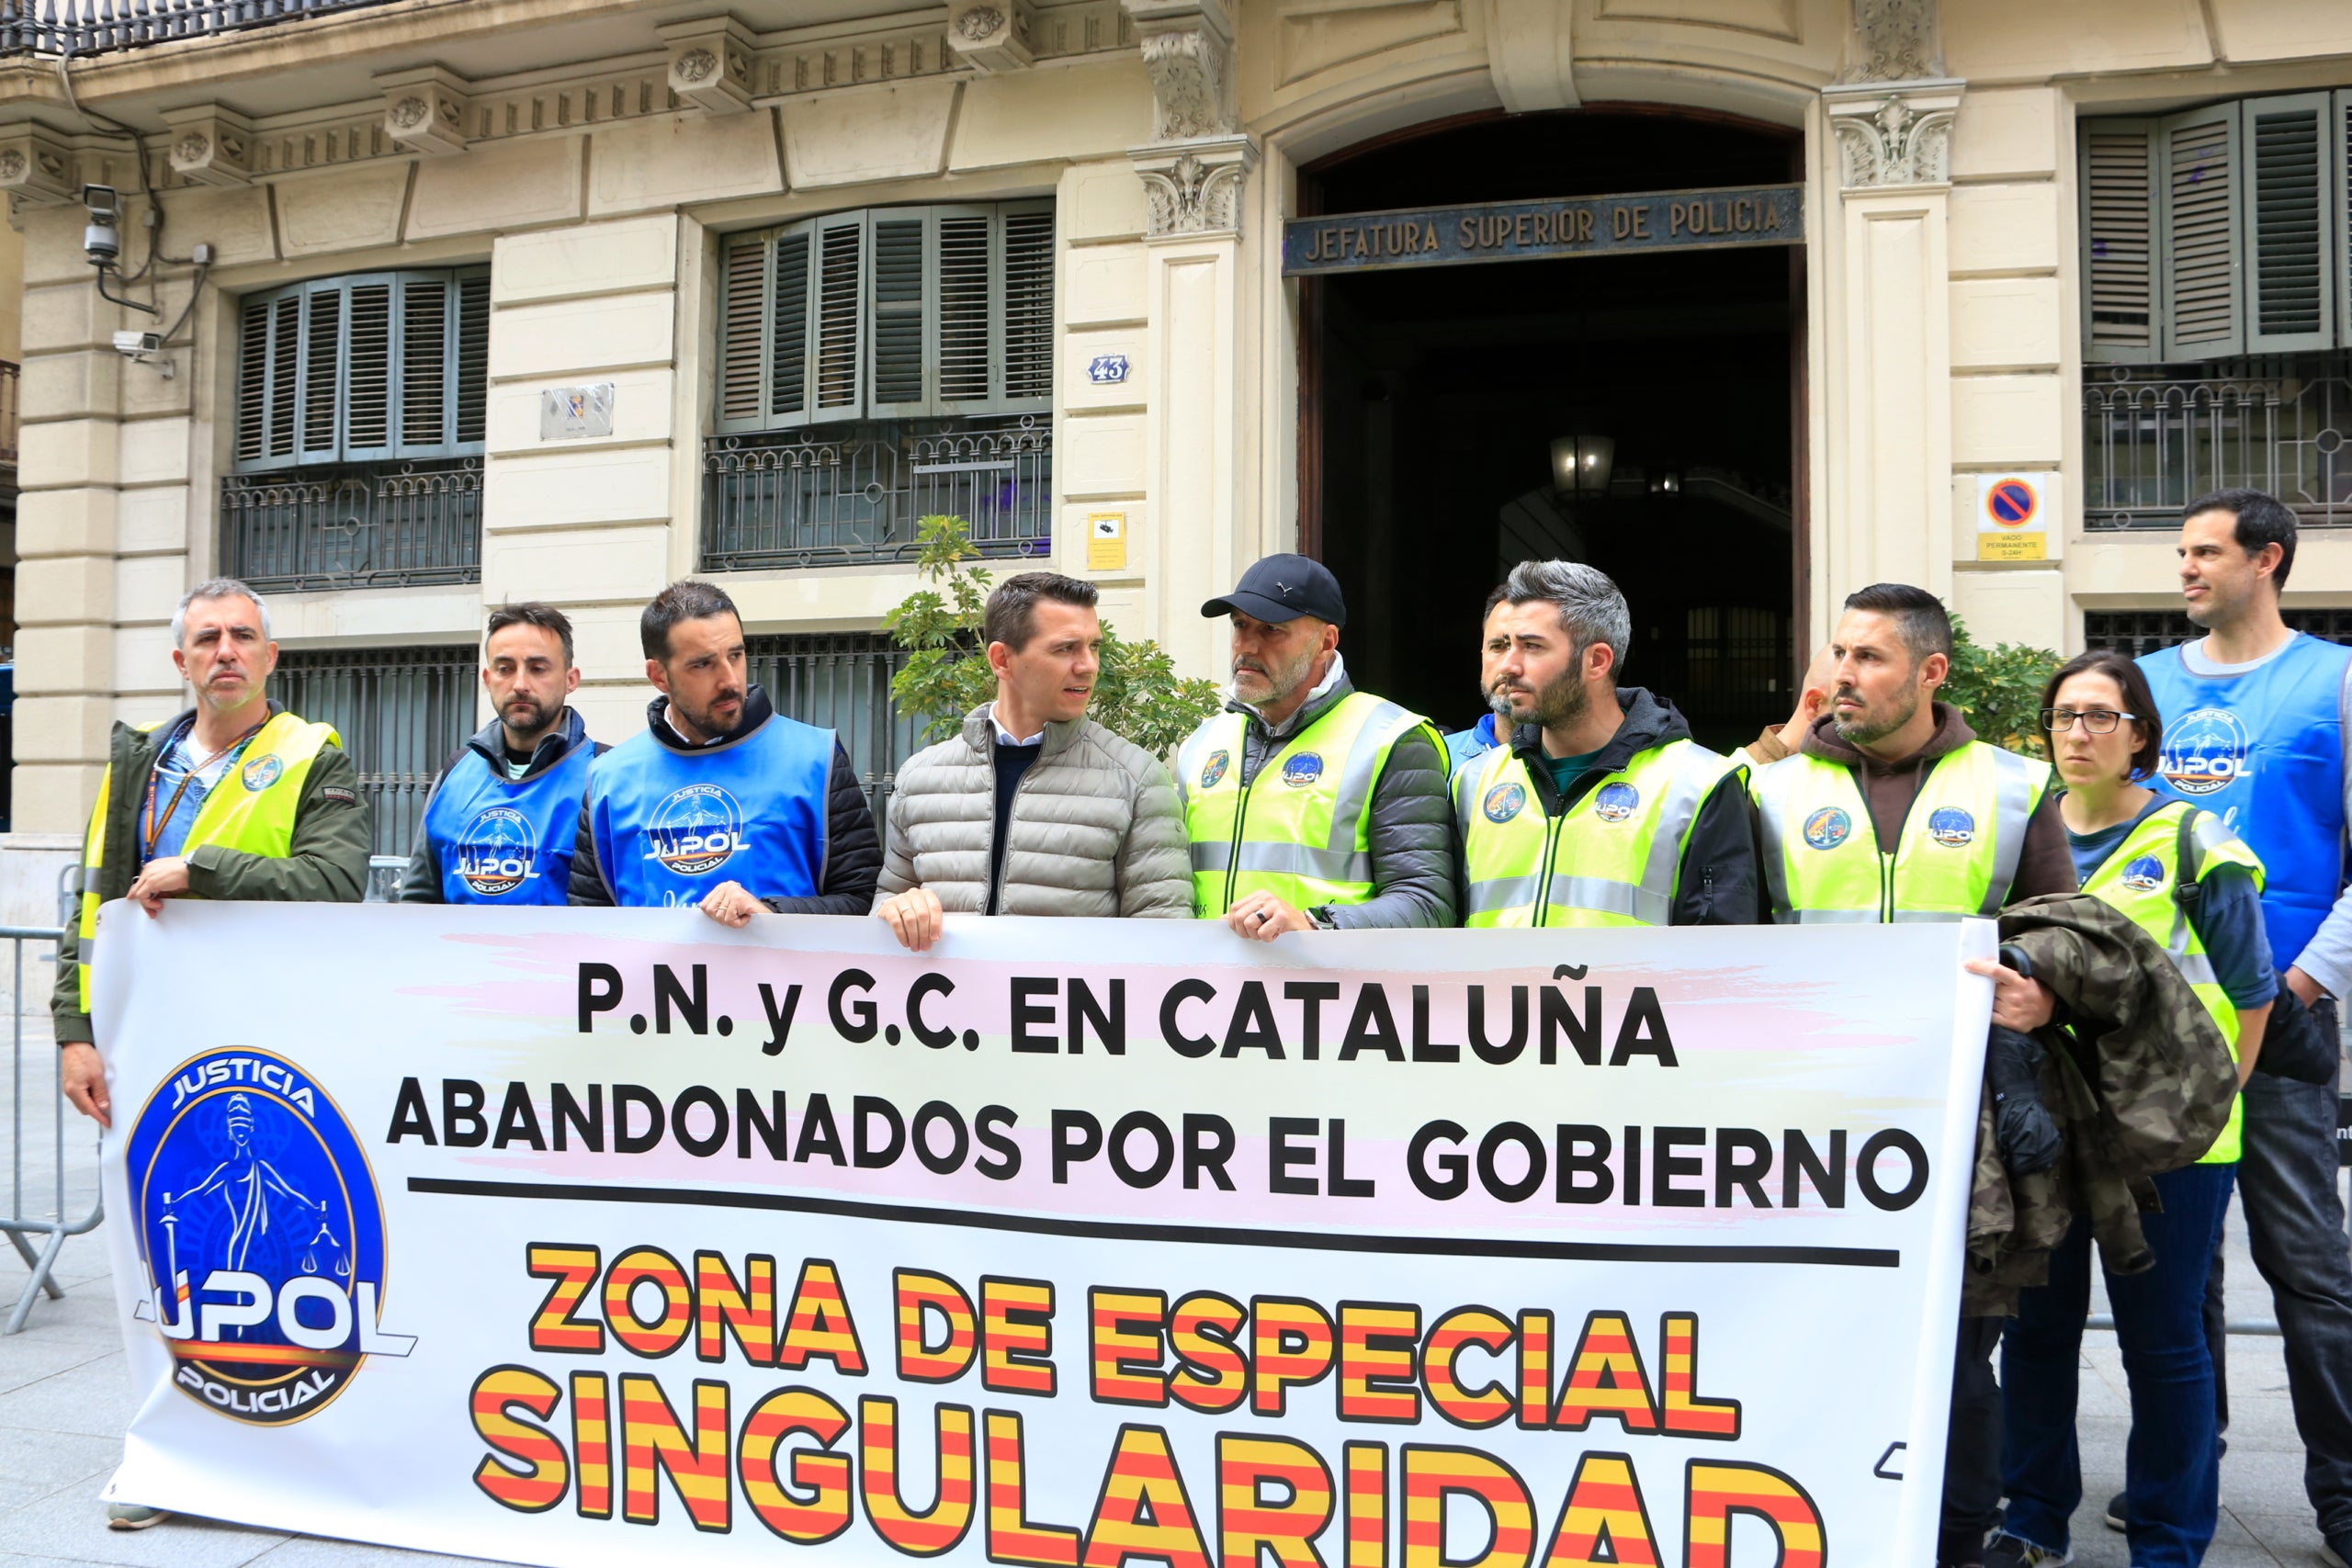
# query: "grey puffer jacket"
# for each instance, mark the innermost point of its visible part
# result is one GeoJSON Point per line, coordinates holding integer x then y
{"type": "Point", "coordinates": [1413, 847]}
{"type": "Point", "coordinates": [1093, 830]}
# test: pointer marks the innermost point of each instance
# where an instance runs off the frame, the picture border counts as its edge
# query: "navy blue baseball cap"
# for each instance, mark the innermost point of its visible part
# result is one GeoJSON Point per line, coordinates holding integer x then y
{"type": "Point", "coordinates": [1282, 588]}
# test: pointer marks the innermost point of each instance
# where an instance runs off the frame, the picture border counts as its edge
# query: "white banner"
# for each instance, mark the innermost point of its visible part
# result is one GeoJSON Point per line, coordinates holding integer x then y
{"type": "Point", "coordinates": [605, 1236]}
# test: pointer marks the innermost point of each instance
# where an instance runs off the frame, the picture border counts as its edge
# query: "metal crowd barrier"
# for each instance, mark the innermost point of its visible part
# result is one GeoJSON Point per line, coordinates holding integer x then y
{"type": "Point", "coordinates": [26, 1220]}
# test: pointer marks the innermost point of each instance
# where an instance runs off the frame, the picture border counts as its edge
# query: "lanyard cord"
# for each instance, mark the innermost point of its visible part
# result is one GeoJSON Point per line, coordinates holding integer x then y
{"type": "Point", "coordinates": [154, 827]}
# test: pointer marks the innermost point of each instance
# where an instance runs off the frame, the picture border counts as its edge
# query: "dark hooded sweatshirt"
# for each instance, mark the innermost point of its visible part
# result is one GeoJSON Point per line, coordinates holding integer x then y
{"type": "Point", "coordinates": [1720, 880]}
{"type": "Point", "coordinates": [2047, 865]}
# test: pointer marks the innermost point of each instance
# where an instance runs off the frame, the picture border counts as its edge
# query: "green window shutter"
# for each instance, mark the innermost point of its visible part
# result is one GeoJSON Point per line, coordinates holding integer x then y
{"type": "Point", "coordinates": [963, 345]}
{"type": "Point", "coordinates": [319, 432]}
{"type": "Point", "coordinates": [837, 318]}
{"type": "Point", "coordinates": [2339, 215]}
{"type": "Point", "coordinates": [368, 374]}
{"type": "Point", "coordinates": [788, 376]}
{"type": "Point", "coordinates": [2290, 173]}
{"type": "Point", "coordinates": [256, 321]}
{"type": "Point", "coordinates": [1028, 310]}
{"type": "Point", "coordinates": [2119, 218]}
{"type": "Point", "coordinates": [424, 365]}
{"type": "Point", "coordinates": [2200, 235]}
{"type": "Point", "coordinates": [742, 330]}
{"type": "Point", "coordinates": [897, 331]}
{"type": "Point", "coordinates": [472, 367]}
{"type": "Point", "coordinates": [285, 363]}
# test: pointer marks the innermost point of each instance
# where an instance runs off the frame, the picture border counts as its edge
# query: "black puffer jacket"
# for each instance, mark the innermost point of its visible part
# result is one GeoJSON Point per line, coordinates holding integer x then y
{"type": "Point", "coordinates": [1413, 853]}
{"type": "Point", "coordinates": [853, 862]}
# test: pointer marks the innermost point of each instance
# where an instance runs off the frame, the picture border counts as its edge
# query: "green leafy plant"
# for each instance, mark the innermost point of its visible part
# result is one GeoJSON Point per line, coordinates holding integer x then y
{"type": "Point", "coordinates": [1999, 689]}
{"type": "Point", "coordinates": [1138, 694]}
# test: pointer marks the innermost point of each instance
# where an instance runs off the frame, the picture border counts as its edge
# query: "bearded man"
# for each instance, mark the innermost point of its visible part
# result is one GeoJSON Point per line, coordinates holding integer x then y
{"type": "Point", "coordinates": [1310, 805]}
{"type": "Point", "coordinates": [1602, 811]}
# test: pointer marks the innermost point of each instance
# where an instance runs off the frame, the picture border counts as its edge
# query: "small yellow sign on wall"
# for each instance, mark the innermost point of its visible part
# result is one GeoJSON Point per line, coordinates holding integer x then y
{"type": "Point", "coordinates": [1106, 541]}
{"type": "Point", "coordinates": [2013, 516]}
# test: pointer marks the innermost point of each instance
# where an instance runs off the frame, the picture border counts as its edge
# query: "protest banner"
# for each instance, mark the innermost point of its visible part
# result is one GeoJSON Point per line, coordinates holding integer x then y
{"type": "Point", "coordinates": [603, 1236]}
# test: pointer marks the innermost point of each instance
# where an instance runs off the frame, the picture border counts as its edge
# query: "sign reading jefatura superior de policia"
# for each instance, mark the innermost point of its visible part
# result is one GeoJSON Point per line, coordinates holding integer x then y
{"type": "Point", "coordinates": [1530, 231]}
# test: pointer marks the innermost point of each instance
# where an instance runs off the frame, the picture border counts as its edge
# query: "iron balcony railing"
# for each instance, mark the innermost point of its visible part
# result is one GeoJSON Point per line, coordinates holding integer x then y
{"type": "Point", "coordinates": [853, 493]}
{"type": "Point", "coordinates": [9, 405]}
{"type": "Point", "coordinates": [95, 26]}
{"type": "Point", "coordinates": [2155, 438]}
{"type": "Point", "coordinates": [354, 525]}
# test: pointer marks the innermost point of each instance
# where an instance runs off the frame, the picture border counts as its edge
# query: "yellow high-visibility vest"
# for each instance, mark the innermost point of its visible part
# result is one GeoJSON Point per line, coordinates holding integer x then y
{"type": "Point", "coordinates": [1612, 859]}
{"type": "Point", "coordinates": [250, 809]}
{"type": "Point", "coordinates": [2143, 879]}
{"type": "Point", "coordinates": [1302, 831]}
{"type": "Point", "coordinates": [1956, 856]}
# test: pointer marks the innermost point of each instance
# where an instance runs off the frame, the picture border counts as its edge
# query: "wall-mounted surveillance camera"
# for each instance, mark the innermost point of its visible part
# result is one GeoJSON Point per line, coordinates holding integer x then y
{"type": "Point", "coordinates": [102, 241]}
{"type": "Point", "coordinates": [138, 346]}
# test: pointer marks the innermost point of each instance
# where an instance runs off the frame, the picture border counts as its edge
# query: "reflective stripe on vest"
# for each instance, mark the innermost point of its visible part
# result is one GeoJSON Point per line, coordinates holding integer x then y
{"type": "Point", "coordinates": [1303, 828]}
{"type": "Point", "coordinates": [256, 819]}
{"type": "Point", "coordinates": [2142, 879]}
{"type": "Point", "coordinates": [1624, 837]}
{"type": "Point", "coordinates": [1957, 856]}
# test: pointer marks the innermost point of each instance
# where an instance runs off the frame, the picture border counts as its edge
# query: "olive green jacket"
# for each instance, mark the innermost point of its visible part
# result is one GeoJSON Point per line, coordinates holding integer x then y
{"type": "Point", "coordinates": [327, 863]}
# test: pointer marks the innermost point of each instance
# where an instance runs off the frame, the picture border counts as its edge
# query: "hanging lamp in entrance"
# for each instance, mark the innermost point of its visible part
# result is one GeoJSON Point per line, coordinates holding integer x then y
{"type": "Point", "coordinates": [1581, 464]}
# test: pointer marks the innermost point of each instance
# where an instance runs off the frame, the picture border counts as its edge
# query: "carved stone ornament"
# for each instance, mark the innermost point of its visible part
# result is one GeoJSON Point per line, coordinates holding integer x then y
{"type": "Point", "coordinates": [1895, 141]}
{"type": "Point", "coordinates": [989, 34]}
{"type": "Point", "coordinates": [1196, 192]}
{"type": "Point", "coordinates": [409, 113]}
{"type": "Point", "coordinates": [697, 65]}
{"type": "Point", "coordinates": [1187, 47]}
{"type": "Point", "coordinates": [710, 64]}
{"type": "Point", "coordinates": [192, 148]}
{"type": "Point", "coordinates": [13, 165]}
{"type": "Point", "coordinates": [1893, 40]}
{"type": "Point", "coordinates": [35, 169]}
{"type": "Point", "coordinates": [208, 145]}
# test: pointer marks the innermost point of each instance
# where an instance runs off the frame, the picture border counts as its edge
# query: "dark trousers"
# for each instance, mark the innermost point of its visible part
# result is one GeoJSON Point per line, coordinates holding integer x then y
{"type": "Point", "coordinates": [2171, 1463]}
{"type": "Point", "coordinates": [2295, 1228]}
{"type": "Point", "coordinates": [1972, 1445]}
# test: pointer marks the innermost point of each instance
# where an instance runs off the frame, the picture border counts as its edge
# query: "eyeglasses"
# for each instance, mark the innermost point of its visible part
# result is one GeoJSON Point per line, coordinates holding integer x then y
{"type": "Point", "coordinates": [2099, 721]}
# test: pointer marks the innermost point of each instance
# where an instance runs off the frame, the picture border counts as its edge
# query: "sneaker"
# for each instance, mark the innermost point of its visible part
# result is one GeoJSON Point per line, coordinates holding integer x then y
{"type": "Point", "coordinates": [2007, 1551]}
{"type": "Point", "coordinates": [2337, 1551]}
{"type": "Point", "coordinates": [2115, 1516]}
{"type": "Point", "coordinates": [132, 1517]}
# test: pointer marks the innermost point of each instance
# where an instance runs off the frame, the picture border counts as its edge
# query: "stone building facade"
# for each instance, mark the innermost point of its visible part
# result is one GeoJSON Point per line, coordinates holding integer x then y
{"type": "Point", "coordinates": [606, 231]}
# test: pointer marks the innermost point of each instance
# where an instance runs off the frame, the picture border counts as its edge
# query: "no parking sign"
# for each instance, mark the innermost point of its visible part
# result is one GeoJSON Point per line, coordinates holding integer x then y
{"type": "Point", "coordinates": [2013, 516]}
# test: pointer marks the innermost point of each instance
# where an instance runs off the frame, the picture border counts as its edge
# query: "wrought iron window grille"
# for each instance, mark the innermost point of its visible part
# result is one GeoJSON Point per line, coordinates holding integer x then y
{"type": "Point", "coordinates": [854, 494]}
{"type": "Point", "coordinates": [2155, 437]}
{"type": "Point", "coordinates": [2137, 633]}
{"type": "Point", "coordinates": [354, 525]}
{"type": "Point", "coordinates": [840, 682]}
{"type": "Point", "coordinates": [402, 712]}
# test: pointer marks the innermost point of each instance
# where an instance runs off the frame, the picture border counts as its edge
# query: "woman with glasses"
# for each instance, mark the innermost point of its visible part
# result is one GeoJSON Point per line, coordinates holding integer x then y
{"type": "Point", "coordinates": [2193, 886]}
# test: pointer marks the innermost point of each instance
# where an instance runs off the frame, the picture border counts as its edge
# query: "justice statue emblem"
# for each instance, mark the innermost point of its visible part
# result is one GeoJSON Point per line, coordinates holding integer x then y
{"type": "Point", "coordinates": [262, 1234]}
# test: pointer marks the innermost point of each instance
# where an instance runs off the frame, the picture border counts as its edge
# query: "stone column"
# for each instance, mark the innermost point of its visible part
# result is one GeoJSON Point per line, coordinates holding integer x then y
{"type": "Point", "coordinates": [1888, 378]}
{"type": "Point", "coordinates": [1193, 172]}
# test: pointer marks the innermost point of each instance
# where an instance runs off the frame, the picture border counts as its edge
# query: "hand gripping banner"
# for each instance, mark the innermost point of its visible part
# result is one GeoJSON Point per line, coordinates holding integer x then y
{"type": "Point", "coordinates": [602, 1236]}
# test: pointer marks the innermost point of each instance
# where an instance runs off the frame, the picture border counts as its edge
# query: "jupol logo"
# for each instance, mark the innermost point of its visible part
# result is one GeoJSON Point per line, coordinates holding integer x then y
{"type": "Point", "coordinates": [1828, 828]}
{"type": "Point", "coordinates": [1302, 770]}
{"type": "Point", "coordinates": [2206, 750]}
{"type": "Point", "coordinates": [1951, 826]}
{"type": "Point", "coordinates": [1615, 802]}
{"type": "Point", "coordinates": [262, 771]}
{"type": "Point", "coordinates": [2144, 874]}
{"type": "Point", "coordinates": [1214, 769]}
{"type": "Point", "coordinates": [263, 1236]}
{"type": "Point", "coordinates": [698, 829]}
{"type": "Point", "coordinates": [1503, 802]}
{"type": "Point", "coordinates": [497, 852]}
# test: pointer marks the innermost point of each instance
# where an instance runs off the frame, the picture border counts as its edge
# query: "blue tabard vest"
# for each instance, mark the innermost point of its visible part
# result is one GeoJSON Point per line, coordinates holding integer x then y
{"type": "Point", "coordinates": [670, 826]}
{"type": "Point", "coordinates": [501, 841]}
{"type": "Point", "coordinates": [2265, 752]}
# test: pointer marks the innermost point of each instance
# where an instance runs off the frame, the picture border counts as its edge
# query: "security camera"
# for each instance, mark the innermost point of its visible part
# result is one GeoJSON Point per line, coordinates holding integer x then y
{"type": "Point", "coordinates": [101, 241]}
{"type": "Point", "coordinates": [138, 346]}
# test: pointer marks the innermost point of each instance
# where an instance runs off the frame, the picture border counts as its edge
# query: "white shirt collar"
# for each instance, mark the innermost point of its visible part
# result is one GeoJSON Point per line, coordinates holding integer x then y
{"type": "Point", "coordinates": [1006, 738]}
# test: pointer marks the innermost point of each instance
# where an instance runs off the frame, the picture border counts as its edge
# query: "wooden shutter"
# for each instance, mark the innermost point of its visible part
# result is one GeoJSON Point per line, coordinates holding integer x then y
{"type": "Point", "coordinates": [256, 324]}
{"type": "Point", "coordinates": [788, 359]}
{"type": "Point", "coordinates": [2290, 173]}
{"type": "Point", "coordinates": [1028, 311]}
{"type": "Point", "coordinates": [368, 376]}
{"type": "Point", "coordinates": [319, 434]}
{"type": "Point", "coordinates": [896, 325]}
{"type": "Point", "coordinates": [743, 307]}
{"type": "Point", "coordinates": [963, 346]}
{"type": "Point", "coordinates": [837, 318]}
{"type": "Point", "coordinates": [2340, 211]}
{"type": "Point", "coordinates": [471, 369]}
{"type": "Point", "coordinates": [2200, 235]}
{"type": "Point", "coordinates": [424, 365]}
{"type": "Point", "coordinates": [2119, 221]}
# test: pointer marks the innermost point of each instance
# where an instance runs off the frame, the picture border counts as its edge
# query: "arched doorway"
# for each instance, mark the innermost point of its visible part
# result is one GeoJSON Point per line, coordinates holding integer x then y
{"type": "Point", "coordinates": [1441, 407]}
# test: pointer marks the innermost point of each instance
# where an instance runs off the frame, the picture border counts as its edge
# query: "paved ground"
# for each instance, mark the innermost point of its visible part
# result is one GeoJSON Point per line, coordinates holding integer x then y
{"type": "Point", "coordinates": [64, 1402]}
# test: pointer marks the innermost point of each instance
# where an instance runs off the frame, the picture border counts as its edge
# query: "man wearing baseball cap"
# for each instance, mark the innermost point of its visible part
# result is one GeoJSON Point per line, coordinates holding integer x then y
{"type": "Point", "coordinates": [1310, 805]}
